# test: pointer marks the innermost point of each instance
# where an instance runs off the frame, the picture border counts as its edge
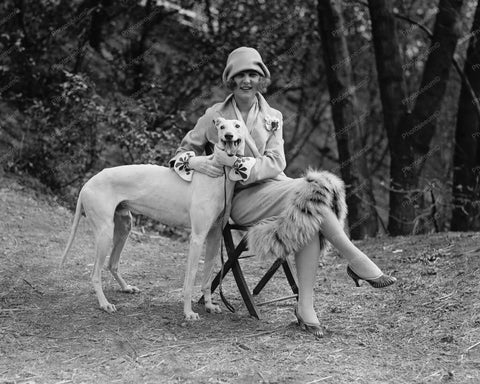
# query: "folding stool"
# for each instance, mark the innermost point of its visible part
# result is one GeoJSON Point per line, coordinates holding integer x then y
{"type": "Point", "coordinates": [234, 253]}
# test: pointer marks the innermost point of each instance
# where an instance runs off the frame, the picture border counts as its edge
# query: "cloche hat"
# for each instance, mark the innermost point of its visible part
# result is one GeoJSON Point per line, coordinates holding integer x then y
{"type": "Point", "coordinates": [244, 59]}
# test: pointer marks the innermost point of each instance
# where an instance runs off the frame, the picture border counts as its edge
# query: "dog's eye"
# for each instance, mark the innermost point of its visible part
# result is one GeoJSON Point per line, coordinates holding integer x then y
{"type": "Point", "coordinates": [237, 126]}
{"type": "Point", "coordinates": [222, 127]}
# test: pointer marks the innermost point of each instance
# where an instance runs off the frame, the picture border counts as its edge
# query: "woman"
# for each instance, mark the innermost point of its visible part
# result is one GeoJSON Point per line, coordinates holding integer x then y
{"type": "Point", "coordinates": [263, 191]}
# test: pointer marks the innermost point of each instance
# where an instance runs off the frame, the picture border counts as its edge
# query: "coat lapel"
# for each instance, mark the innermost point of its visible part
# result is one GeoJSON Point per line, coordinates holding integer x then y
{"type": "Point", "coordinates": [258, 132]}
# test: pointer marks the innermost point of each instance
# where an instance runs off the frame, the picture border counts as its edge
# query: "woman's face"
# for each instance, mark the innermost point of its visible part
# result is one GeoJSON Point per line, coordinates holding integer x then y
{"type": "Point", "coordinates": [247, 84]}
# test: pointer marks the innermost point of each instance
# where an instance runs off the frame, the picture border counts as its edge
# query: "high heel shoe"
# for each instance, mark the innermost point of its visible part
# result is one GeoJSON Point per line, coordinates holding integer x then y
{"type": "Point", "coordinates": [380, 282]}
{"type": "Point", "coordinates": [315, 329]}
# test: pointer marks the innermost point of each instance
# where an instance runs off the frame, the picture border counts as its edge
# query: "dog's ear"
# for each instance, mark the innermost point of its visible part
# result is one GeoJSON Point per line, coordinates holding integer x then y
{"type": "Point", "coordinates": [217, 121]}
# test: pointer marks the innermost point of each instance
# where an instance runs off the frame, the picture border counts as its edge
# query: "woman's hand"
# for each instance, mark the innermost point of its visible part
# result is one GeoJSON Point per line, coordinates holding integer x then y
{"type": "Point", "coordinates": [221, 157]}
{"type": "Point", "coordinates": [205, 165]}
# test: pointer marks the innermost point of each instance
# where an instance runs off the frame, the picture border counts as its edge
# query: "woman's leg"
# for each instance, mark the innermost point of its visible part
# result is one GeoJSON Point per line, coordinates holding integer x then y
{"type": "Point", "coordinates": [358, 261]}
{"type": "Point", "coordinates": [306, 263]}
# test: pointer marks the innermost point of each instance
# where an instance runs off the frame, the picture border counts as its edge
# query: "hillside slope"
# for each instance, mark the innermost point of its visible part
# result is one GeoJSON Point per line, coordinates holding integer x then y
{"type": "Point", "coordinates": [426, 329]}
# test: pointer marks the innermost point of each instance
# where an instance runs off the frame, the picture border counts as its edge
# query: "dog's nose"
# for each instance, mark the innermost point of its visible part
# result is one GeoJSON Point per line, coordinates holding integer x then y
{"type": "Point", "coordinates": [228, 136]}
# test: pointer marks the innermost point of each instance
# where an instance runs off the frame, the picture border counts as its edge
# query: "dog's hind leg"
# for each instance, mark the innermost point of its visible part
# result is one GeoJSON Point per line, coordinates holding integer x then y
{"type": "Point", "coordinates": [211, 251]}
{"type": "Point", "coordinates": [104, 239]}
{"type": "Point", "coordinates": [123, 224]}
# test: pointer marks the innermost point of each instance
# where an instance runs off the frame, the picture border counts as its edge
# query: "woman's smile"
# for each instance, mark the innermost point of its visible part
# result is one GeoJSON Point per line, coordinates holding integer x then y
{"type": "Point", "coordinates": [247, 81]}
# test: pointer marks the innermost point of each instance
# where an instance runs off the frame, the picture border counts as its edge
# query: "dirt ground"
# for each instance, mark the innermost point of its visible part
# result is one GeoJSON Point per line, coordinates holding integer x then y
{"type": "Point", "coordinates": [425, 329]}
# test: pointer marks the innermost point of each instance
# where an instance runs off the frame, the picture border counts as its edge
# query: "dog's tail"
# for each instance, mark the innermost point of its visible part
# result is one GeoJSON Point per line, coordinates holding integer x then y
{"type": "Point", "coordinates": [76, 220]}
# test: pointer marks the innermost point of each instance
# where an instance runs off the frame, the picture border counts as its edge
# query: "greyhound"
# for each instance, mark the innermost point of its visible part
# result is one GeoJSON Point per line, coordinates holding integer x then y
{"type": "Point", "coordinates": [109, 197]}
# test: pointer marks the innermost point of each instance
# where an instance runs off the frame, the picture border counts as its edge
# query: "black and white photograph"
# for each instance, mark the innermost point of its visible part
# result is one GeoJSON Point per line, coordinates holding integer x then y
{"type": "Point", "coordinates": [250, 191]}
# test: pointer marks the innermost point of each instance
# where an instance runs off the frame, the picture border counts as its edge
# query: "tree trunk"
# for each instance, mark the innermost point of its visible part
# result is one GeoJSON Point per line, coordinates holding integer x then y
{"type": "Point", "coordinates": [154, 16]}
{"type": "Point", "coordinates": [423, 120]}
{"type": "Point", "coordinates": [139, 49]}
{"type": "Point", "coordinates": [99, 18]}
{"type": "Point", "coordinates": [410, 134]}
{"type": "Point", "coordinates": [392, 91]}
{"type": "Point", "coordinates": [466, 160]}
{"type": "Point", "coordinates": [89, 12]}
{"type": "Point", "coordinates": [362, 215]}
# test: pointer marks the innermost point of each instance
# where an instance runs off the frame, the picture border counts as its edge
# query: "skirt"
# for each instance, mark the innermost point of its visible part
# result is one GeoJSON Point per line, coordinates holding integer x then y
{"type": "Point", "coordinates": [284, 214]}
{"type": "Point", "coordinates": [263, 200]}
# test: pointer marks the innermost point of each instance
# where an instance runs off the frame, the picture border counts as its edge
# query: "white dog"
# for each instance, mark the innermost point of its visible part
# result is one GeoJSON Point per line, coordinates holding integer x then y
{"type": "Point", "coordinates": [159, 193]}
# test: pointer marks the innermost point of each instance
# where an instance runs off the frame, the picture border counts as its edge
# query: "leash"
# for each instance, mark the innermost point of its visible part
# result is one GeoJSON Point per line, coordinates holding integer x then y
{"type": "Point", "coordinates": [229, 306]}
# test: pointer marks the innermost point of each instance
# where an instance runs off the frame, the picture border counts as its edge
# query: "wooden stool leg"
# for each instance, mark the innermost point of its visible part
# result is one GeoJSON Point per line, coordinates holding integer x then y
{"type": "Point", "coordinates": [287, 268]}
{"type": "Point", "coordinates": [292, 279]}
{"type": "Point", "coordinates": [233, 264]}
{"type": "Point", "coordinates": [268, 275]}
{"type": "Point", "coordinates": [233, 255]}
{"type": "Point", "coordinates": [229, 263]}
{"type": "Point", "coordinates": [232, 252]}
{"type": "Point", "coordinates": [226, 268]}
{"type": "Point", "coordinates": [244, 290]}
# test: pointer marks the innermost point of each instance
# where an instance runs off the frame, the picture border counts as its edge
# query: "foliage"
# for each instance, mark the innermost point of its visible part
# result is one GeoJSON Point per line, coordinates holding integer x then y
{"type": "Point", "coordinates": [100, 83]}
{"type": "Point", "coordinates": [86, 99]}
{"type": "Point", "coordinates": [64, 131]}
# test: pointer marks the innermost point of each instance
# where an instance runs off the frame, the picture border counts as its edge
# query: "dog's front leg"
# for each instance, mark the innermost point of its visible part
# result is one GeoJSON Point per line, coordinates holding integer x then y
{"type": "Point", "coordinates": [196, 246]}
{"type": "Point", "coordinates": [211, 251]}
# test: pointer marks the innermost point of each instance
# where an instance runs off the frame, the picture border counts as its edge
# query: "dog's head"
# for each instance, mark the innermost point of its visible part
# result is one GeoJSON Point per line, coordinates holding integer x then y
{"type": "Point", "coordinates": [231, 135]}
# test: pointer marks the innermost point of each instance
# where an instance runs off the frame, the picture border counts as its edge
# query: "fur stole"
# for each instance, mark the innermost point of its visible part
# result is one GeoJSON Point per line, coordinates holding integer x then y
{"type": "Point", "coordinates": [285, 234]}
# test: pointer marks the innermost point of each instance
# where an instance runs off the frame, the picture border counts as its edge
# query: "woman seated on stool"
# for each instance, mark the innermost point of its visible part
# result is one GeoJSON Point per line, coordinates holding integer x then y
{"type": "Point", "coordinates": [303, 213]}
